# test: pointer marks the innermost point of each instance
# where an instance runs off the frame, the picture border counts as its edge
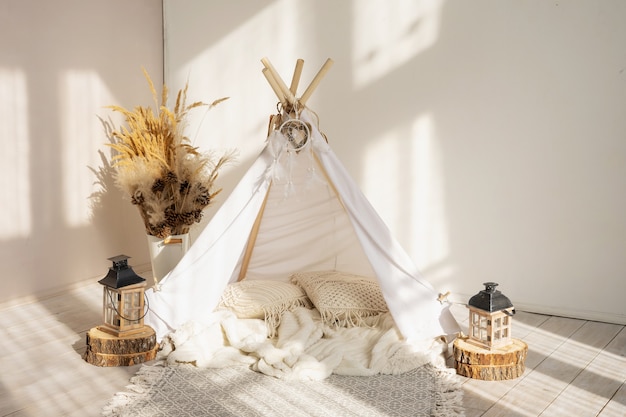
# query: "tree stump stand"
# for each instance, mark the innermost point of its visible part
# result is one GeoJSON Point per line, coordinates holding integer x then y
{"type": "Point", "coordinates": [105, 349]}
{"type": "Point", "coordinates": [506, 362]}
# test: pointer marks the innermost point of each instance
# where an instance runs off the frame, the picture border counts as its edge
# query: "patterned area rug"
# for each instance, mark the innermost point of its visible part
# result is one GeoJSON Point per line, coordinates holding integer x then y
{"type": "Point", "coordinates": [186, 390]}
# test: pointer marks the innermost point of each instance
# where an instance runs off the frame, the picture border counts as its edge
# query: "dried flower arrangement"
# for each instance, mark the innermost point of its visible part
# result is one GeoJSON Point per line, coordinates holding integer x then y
{"type": "Point", "coordinates": [169, 180]}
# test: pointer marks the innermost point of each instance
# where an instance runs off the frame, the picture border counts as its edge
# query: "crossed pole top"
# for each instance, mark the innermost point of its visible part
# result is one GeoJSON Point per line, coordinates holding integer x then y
{"type": "Point", "coordinates": [287, 96]}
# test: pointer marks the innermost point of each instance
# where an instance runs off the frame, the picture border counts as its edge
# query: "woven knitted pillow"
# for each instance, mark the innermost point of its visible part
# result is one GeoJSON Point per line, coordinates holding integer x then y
{"type": "Point", "coordinates": [263, 299]}
{"type": "Point", "coordinates": [342, 299]}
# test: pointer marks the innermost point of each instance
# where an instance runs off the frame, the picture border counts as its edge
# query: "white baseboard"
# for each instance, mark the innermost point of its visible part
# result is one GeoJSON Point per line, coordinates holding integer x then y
{"type": "Point", "coordinates": [605, 317]}
{"type": "Point", "coordinates": [143, 270]}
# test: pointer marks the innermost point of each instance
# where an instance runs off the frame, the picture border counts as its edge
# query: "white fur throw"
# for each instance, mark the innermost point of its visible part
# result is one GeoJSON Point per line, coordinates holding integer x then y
{"type": "Point", "coordinates": [305, 348]}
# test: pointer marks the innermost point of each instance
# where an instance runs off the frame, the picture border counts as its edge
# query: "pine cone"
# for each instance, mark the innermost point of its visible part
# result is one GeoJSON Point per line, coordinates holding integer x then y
{"type": "Point", "coordinates": [171, 217]}
{"type": "Point", "coordinates": [158, 186]}
{"type": "Point", "coordinates": [170, 178]}
{"type": "Point", "coordinates": [162, 230]}
{"type": "Point", "coordinates": [137, 198]}
{"type": "Point", "coordinates": [187, 218]}
{"type": "Point", "coordinates": [203, 199]}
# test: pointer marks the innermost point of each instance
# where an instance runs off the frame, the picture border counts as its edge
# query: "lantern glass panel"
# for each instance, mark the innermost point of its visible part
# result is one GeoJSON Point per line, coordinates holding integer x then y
{"type": "Point", "coordinates": [111, 304]}
{"type": "Point", "coordinates": [131, 310]}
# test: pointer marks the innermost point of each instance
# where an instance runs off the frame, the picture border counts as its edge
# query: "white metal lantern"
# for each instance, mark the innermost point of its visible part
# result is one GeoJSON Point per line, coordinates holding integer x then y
{"type": "Point", "coordinates": [490, 318]}
{"type": "Point", "coordinates": [123, 299]}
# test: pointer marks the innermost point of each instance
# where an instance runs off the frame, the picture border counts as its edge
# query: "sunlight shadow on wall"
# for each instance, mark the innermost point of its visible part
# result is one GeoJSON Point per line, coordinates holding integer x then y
{"type": "Point", "coordinates": [16, 214]}
{"type": "Point", "coordinates": [388, 34]}
{"type": "Point", "coordinates": [428, 226]}
{"type": "Point", "coordinates": [208, 73]}
{"type": "Point", "coordinates": [403, 179]}
{"type": "Point", "coordinates": [83, 95]}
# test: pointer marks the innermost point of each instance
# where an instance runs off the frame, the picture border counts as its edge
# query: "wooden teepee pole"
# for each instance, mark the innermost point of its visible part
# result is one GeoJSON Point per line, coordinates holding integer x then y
{"type": "Point", "coordinates": [321, 73]}
{"type": "Point", "coordinates": [252, 239]}
{"type": "Point", "coordinates": [270, 79]}
{"type": "Point", "coordinates": [291, 99]}
{"type": "Point", "coordinates": [296, 76]}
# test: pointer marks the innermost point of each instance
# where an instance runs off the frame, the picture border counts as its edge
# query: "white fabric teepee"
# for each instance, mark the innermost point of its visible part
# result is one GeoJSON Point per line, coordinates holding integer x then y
{"type": "Point", "coordinates": [296, 211]}
{"type": "Point", "coordinates": [312, 217]}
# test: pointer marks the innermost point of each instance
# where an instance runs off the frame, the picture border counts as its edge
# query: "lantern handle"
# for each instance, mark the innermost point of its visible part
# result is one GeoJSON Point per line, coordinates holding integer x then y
{"type": "Point", "coordinates": [147, 305]}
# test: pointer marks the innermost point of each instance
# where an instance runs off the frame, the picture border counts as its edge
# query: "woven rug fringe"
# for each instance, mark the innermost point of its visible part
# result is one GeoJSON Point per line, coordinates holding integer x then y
{"type": "Point", "coordinates": [449, 396]}
{"type": "Point", "coordinates": [140, 384]}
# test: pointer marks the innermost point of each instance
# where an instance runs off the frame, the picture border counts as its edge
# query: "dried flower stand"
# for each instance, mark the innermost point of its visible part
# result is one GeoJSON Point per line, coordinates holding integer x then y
{"type": "Point", "coordinates": [169, 180]}
{"type": "Point", "coordinates": [166, 253]}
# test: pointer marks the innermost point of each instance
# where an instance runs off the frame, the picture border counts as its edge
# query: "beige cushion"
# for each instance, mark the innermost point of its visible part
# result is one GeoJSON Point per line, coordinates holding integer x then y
{"type": "Point", "coordinates": [343, 299]}
{"type": "Point", "coordinates": [263, 299]}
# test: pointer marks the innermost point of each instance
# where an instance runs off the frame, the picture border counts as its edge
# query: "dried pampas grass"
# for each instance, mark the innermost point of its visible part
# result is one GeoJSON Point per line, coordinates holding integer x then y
{"type": "Point", "coordinates": [169, 180]}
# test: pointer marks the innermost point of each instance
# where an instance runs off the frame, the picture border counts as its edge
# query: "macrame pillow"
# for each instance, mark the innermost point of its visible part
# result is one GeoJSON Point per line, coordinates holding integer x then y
{"type": "Point", "coordinates": [343, 299]}
{"type": "Point", "coordinates": [263, 299]}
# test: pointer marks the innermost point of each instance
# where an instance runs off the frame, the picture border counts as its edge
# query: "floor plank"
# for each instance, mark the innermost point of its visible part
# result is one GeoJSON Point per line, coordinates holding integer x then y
{"type": "Point", "coordinates": [616, 407]}
{"type": "Point", "coordinates": [43, 374]}
{"type": "Point", "coordinates": [549, 378]}
{"type": "Point", "coordinates": [565, 356]}
{"type": "Point", "coordinates": [504, 397]}
{"type": "Point", "coordinates": [599, 380]}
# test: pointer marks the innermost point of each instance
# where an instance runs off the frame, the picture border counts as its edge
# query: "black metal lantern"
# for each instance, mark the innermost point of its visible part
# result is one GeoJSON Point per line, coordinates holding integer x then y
{"type": "Point", "coordinates": [123, 299]}
{"type": "Point", "coordinates": [490, 318]}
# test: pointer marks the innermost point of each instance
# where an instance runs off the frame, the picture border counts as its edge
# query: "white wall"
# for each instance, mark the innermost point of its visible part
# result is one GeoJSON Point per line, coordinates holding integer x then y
{"type": "Point", "coordinates": [61, 62]}
{"type": "Point", "coordinates": [489, 135]}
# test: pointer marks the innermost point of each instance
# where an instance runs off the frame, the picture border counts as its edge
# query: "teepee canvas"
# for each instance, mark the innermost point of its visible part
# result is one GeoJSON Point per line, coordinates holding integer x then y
{"type": "Point", "coordinates": [296, 209]}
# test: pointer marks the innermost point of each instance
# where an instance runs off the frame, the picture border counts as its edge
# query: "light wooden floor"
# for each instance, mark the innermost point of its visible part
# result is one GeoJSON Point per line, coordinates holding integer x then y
{"type": "Point", "coordinates": [574, 367]}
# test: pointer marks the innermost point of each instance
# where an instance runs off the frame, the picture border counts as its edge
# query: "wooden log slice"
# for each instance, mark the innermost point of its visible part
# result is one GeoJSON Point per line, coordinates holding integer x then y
{"type": "Point", "coordinates": [100, 341]}
{"type": "Point", "coordinates": [105, 349]}
{"type": "Point", "coordinates": [102, 359]}
{"type": "Point", "coordinates": [506, 362]}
